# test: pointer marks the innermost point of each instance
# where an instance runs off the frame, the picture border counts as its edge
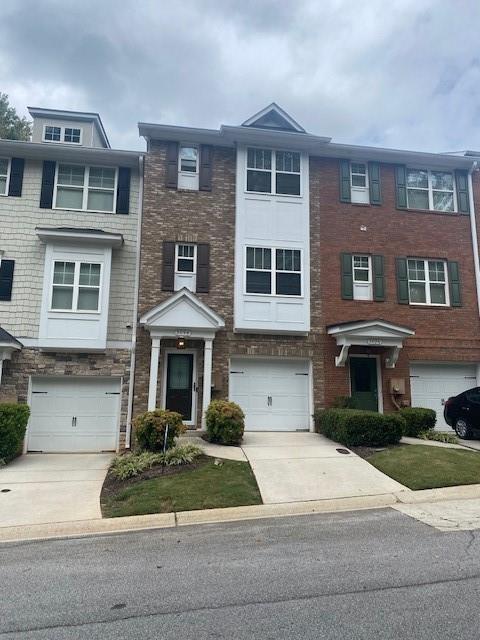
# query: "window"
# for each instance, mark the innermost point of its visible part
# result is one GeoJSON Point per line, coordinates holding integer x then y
{"type": "Point", "coordinates": [283, 278]}
{"type": "Point", "coordinates": [75, 286]}
{"type": "Point", "coordinates": [87, 188]}
{"type": "Point", "coordinates": [52, 134]}
{"type": "Point", "coordinates": [4, 176]}
{"type": "Point", "coordinates": [430, 190]}
{"type": "Point", "coordinates": [362, 277]}
{"type": "Point", "coordinates": [185, 258]}
{"type": "Point", "coordinates": [359, 183]}
{"type": "Point", "coordinates": [188, 159]}
{"type": "Point", "coordinates": [72, 135]}
{"type": "Point", "coordinates": [427, 282]}
{"type": "Point", "coordinates": [285, 165]}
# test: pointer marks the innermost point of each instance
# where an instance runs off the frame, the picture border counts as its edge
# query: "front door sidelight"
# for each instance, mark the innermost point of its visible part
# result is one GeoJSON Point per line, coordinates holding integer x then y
{"type": "Point", "coordinates": [180, 384]}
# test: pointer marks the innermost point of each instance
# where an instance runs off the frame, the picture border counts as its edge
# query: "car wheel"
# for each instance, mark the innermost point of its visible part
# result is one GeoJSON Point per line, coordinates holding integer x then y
{"type": "Point", "coordinates": [462, 429]}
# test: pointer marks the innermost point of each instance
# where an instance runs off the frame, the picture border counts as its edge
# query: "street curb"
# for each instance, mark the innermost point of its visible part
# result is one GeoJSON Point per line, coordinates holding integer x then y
{"type": "Point", "coordinates": [106, 526]}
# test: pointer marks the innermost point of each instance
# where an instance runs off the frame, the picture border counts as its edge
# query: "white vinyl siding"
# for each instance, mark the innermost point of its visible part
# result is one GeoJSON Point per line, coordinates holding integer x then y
{"type": "Point", "coordinates": [85, 188]}
{"type": "Point", "coordinates": [431, 190]}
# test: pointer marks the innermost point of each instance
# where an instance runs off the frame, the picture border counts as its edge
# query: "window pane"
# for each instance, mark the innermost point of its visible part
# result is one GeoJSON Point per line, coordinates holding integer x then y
{"type": "Point", "coordinates": [361, 275]}
{"type": "Point", "coordinates": [417, 199]}
{"type": "Point", "coordinates": [185, 264]}
{"type": "Point", "coordinates": [102, 177]}
{"type": "Point", "coordinates": [71, 135]}
{"type": "Point", "coordinates": [360, 261]}
{"type": "Point", "coordinates": [71, 175]}
{"type": "Point", "coordinates": [186, 250]}
{"type": "Point", "coordinates": [288, 161]}
{"type": "Point", "coordinates": [259, 181]}
{"type": "Point", "coordinates": [52, 133]}
{"type": "Point", "coordinates": [442, 180]}
{"type": "Point", "coordinates": [87, 299]}
{"type": "Point", "coordinates": [359, 167]}
{"type": "Point", "coordinates": [288, 260]}
{"type": "Point", "coordinates": [62, 297]}
{"type": "Point", "coordinates": [100, 200]}
{"type": "Point", "coordinates": [63, 272]}
{"type": "Point", "coordinates": [417, 292]}
{"type": "Point", "coordinates": [437, 293]}
{"type": "Point", "coordinates": [259, 159]}
{"type": "Point", "coordinates": [288, 284]}
{"type": "Point", "coordinates": [258, 282]}
{"type": "Point", "coordinates": [90, 274]}
{"type": "Point", "coordinates": [250, 257]}
{"type": "Point", "coordinates": [288, 183]}
{"type": "Point", "coordinates": [69, 198]}
{"type": "Point", "coordinates": [359, 181]}
{"type": "Point", "coordinates": [188, 159]}
{"type": "Point", "coordinates": [417, 178]}
{"type": "Point", "coordinates": [436, 271]}
{"type": "Point", "coordinates": [3, 185]}
{"type": "Point", "coordinates": [442, 201]}
{"type": "Point", "coordinates": [3, 167]}
{"type": "Point", "coordinates": [416, 270]}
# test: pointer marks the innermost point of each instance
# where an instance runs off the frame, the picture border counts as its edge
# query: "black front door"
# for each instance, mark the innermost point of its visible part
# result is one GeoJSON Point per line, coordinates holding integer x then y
{"type": "Point", "coordinates": [180, 384]}
{"type": "Point", "coordinates": [363, 376]}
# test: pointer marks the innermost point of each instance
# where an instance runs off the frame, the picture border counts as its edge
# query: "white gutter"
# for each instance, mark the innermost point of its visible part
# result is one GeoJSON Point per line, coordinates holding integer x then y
{"type": "Point", "coordinates": [473, 228]}
{"type": "Point", "coordinates": [128, 433]}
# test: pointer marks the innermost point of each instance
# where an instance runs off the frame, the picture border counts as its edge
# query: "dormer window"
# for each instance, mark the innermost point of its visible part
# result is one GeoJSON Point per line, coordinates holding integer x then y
{"type": "Point", "coordinates": [284, 165]}
{"type": "Point", "coordinates": [69, 135]}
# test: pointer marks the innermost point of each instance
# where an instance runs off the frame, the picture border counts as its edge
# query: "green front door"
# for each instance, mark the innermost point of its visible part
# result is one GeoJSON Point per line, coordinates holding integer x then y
{"type": "Point", "coordinates": [363, 376]}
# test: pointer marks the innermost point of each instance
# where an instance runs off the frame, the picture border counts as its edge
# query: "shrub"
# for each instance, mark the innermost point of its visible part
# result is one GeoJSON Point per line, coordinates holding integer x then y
{"type": "Point", "coordinates": [438, 436]}
{"type": "Point", "coordinates": [418, 420]}
{"type": "Point", "coordinates": [344, 402]}
{"type": "Point", "coordinates": [354, 427]}
{"type": "Point", "coordinates": [150, 429]}
{"type": "Point", "coordinates": [225, 422]}
{"type": "Point", "coordinates": [133, 464]}
{"type": "Point", "coordinates": [13, 423]}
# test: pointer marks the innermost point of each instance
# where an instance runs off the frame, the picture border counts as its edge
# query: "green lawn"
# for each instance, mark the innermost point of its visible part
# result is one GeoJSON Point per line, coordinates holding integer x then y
{"type": "Point", "coordinates": [209, 486]}
{"type": "Point", "coordinates": [423, 467]}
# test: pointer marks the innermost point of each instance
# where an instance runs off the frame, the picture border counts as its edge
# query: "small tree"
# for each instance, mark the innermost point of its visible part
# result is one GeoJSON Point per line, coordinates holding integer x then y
{"type": "Point", "coordinates": [12, 127]}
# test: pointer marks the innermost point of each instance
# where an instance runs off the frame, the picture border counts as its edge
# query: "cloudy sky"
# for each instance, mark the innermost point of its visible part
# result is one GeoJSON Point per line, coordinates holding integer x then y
{"type": "Point", "coordinates": [396, 73]}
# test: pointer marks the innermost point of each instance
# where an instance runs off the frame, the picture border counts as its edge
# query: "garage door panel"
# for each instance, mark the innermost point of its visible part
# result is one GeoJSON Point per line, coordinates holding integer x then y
{"type": "Point", "coordinates": [274, 394]}
{"type": "Point", "coordinates": [93, 402]}
{"type": "Point", "coordinates": [432, 384]}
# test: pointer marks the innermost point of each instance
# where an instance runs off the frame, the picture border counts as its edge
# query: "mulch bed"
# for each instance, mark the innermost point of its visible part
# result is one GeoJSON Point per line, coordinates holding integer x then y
{"type": "Point", "coordinates": [113, 485]}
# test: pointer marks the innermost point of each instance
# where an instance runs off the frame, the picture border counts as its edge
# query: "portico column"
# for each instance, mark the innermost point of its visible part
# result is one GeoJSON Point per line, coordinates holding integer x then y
{"type": "Point", "coordinates": [152, 387]}
{"type": "Point", "coordinates": [207, 377]}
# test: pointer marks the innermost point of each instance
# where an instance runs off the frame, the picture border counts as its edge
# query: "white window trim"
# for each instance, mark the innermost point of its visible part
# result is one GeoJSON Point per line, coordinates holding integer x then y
{"type": "Point", "coordinates": [427, 283]}
{"type": "Point", "coordinates": [188, 173]}
{"type": "Point", "coordinates": [430, 189]}
{"type": "Point", "coordinates": [189, 244]}
{"type": "Point", "coordinates": [365, 283]}
{"type": "Point", "coordinates": [7, 184]}
{"type": "Point", "coordinates": [76, 286]}
{"type": "Point", "coordinates": [273, 172]}
{"type": "Point", "coordinates": [273, 272]}
{"type": "Point", "coordinates": [85, 187]}
{"type": "Point", "coordinates": [62, 135]}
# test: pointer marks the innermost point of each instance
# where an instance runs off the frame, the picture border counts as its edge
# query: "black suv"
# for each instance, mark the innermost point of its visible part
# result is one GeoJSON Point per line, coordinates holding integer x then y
{"type": "Point", "coordinates": [462, 413]}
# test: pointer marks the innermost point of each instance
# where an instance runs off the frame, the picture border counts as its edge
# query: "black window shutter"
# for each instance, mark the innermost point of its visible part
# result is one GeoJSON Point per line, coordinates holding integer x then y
{"type": "Point", "coordinates": [347, 276]}
{"type": "Point", "coordinates": [463, 201]}
{"type": "Point", "coordinates": [205, 177]}
{"type": "Point", "coordinates": [401, 186]}
{"type": "Point", "coordinates": [16, 177]}
{"type": "Point", "coordinates": [454, 284]}
{"type": "Point", "coordinates": [374, 183]}
{"type": "Point", "coordinates": [6, 279]}
{"type": "Point", "coordinates": [123, 190]}
{"type": "Point", "coordinates": [168, 266]}
{"type": "Point", "coordinates": [378, 263]}
{"type": "Point", "coordinates": [48, 179]}
{"type": "Point", "coordinates": [345, 190]}
{"type": "Point", "coordinates": [402, 281]}
{"type": "Point", "coordinates": [172, 165]}
{"type": "Point", "coordinates": [203, 268]}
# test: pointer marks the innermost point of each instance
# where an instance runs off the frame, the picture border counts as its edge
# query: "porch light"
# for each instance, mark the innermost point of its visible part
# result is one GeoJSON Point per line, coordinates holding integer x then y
{"type": "Point", "coordinates": [180, 343]}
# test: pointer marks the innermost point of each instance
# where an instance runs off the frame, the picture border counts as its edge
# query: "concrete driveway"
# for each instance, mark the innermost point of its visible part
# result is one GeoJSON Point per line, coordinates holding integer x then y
{"type": "Point", "coordinates": [294, 467]}
{"type": "Point", "coordinates": [44, 488]}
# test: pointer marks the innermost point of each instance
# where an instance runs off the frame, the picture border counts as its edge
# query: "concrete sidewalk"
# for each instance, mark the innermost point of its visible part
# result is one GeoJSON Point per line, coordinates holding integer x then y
{"type": "Point", "coordinates": [41, 488]}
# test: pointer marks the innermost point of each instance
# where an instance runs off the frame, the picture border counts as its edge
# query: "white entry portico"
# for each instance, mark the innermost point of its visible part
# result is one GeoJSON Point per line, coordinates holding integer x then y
{"type": "Point", "coordinates": [183, 315]}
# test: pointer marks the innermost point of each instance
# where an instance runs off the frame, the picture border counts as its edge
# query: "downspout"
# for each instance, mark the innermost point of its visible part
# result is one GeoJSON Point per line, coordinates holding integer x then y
{"type": "Point", "coordinates": [473, 228]}
{"type": "Point", "coordinates": [128, 433]}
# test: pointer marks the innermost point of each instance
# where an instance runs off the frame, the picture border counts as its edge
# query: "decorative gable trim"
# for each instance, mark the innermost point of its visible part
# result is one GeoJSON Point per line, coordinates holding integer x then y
{"type": "Point", "coordinates": [273, 117]}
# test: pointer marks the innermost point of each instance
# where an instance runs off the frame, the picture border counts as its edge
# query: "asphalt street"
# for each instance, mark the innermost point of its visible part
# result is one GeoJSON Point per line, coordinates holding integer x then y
{"type": "Point", "coordinates": [359, 575]}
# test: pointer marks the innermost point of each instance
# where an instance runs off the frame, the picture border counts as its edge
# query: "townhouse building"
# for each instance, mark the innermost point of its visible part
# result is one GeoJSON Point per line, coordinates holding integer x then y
{"type": "Point", "coordinates": [69, 211]}
{"type": "Point", "coordinates": [281, 270]}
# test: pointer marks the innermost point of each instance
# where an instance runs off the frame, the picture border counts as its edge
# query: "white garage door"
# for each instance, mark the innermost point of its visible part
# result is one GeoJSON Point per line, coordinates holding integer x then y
{"type": "Point", "coordinates": [431, 384]}
{"type": "Point", "coordinates": [74, 414]}
{"type": "Point", "coordinates": [274, 394]}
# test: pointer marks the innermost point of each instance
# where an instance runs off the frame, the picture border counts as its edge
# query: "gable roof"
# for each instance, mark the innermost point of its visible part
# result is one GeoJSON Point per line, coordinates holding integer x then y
{"type": "Point", "coordinates": [273, 117]}
{"type": "Point", "coordinates": [7, 339]}
{"type": "Point", "coordinates": [61, 114]}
